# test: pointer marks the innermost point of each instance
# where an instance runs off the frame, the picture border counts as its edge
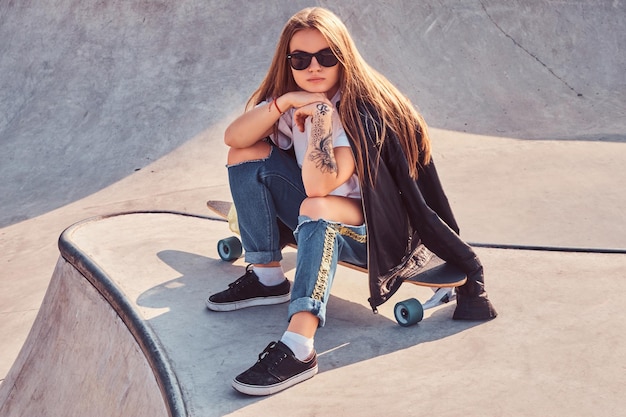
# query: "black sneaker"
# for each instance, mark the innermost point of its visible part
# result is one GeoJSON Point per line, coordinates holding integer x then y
{"type": "Point", "coordinates": [247, 291]}
{"type": "Point", "coordinates": [277, 369]}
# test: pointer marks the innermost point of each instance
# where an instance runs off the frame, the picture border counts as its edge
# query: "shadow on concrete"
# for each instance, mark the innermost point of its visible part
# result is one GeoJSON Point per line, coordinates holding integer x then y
{"type": "Point", "coordinates": [213, 347]}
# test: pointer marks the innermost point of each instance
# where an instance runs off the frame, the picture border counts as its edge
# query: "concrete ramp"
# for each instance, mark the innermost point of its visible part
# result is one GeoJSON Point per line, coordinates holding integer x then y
{"type": "Point", "coordinates": [89, 353]}
{"type": "Point", "coordinates": [101, 108]}
{"type": "Point", "coordinates": [123, 331]}
{"type": "Point", "coordinates": [93, 91]}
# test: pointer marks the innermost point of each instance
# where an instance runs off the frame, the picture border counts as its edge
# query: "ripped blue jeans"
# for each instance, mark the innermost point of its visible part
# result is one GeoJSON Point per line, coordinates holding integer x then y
{"type": "Point", "coordinates": [271, 189]}
{"type": "Point", "coordinates": [321, 244]}
{"type": "Point", "coordinates": [265, 191]}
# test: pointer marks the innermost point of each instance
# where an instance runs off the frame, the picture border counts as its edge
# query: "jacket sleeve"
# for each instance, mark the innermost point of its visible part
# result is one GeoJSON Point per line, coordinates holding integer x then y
{"type": "Point", "coordinates": [429, 184]}
{"type": "Point", "coordinates": [402, 212]}
{"type": "Point", "coordinates": [438, 235]}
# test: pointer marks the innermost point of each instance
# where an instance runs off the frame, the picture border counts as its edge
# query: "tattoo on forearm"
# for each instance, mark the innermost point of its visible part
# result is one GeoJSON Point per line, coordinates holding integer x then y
{"type": "Point", "coordinates": [321, 139]}
{"type": "Point", "coordinates": [323, 109]}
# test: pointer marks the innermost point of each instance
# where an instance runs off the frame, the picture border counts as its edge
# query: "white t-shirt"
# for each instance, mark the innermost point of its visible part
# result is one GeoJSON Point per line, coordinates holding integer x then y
{"type": "Point", "coordinates": [289, 135]}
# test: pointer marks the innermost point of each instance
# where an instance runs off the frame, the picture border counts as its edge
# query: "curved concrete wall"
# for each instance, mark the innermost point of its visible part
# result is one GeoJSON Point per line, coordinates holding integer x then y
{"type": "Point", "coordinates": [81, 359]}
{"type": "Point", "coordinates": [92, 91]}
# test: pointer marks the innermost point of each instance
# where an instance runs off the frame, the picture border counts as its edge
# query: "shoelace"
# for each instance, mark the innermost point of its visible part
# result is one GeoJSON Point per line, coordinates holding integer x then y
{"type": "Point", "coordinates": [241, 280]}
{"type": "Point", "coordinates": [269, 350]}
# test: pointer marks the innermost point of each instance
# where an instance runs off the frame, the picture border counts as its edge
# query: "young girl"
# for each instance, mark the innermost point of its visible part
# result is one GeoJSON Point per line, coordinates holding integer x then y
{"type": "Point", "coordinates": [330, 150]}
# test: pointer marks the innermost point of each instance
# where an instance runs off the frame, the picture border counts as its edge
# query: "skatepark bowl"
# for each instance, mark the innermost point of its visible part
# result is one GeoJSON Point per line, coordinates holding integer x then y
{"type": "Point", "coordinates": [112, 116]}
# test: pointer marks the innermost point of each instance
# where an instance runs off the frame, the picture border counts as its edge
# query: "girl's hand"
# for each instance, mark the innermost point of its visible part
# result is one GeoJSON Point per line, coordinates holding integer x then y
{"type": "Point", "coordinates": [323, 108]}
{"type": "Point", "coordinates": [297, 99]}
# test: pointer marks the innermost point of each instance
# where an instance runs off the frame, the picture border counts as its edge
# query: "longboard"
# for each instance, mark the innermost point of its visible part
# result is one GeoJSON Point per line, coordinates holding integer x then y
{"type": "Point", "coordinates": [436, 273]}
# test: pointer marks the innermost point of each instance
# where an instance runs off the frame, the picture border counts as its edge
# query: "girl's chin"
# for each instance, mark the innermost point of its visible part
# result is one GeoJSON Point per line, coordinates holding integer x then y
{"type": "Point", "coordinates": [320, 89]}
{"type": "Point", "coordinates": [317, 90]}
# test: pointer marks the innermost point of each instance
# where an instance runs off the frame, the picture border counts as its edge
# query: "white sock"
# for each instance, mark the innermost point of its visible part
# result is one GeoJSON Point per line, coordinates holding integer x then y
{"type": "Point", "coordinates": [301, 346]}
{"type": "Point", "coordinates": [270, 276]}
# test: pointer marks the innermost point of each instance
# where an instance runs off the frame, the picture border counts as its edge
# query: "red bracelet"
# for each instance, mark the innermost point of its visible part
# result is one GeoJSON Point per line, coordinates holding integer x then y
{"type": "Point", "coordinates": [276, 105]}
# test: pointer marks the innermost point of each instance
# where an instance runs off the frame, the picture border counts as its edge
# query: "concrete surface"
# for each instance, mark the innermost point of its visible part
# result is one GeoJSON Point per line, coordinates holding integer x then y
{"type": "Point", "coordinates": [80, 359]}
{"type": "Point", "coordinates": [116, 106]}
{"type": "Point", "coordinates": [555, 349]}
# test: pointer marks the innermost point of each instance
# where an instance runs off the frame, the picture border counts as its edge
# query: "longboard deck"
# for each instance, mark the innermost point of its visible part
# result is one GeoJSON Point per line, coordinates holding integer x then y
{"type": "Point", "coordinates": [221, 208]}
{"type": "Point", "coordinates": [436, 273]}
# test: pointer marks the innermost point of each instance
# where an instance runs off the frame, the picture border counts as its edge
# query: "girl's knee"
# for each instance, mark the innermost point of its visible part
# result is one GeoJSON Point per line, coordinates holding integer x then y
{"type": "Point", "coordinates": [259, 150]}
{"type": "Point", "coordinates": [313, 207]}
{"type": "Point", "coordinates": [333, 208]}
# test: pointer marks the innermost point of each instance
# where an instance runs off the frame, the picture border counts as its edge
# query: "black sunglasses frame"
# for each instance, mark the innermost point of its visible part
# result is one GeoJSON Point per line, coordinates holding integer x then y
{"type": "Point", "coordinates": [325, 58]}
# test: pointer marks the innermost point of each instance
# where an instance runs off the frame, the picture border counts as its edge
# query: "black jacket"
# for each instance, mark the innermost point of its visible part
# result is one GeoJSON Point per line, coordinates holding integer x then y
{"type": "Point", "coordinates": [403, 215]}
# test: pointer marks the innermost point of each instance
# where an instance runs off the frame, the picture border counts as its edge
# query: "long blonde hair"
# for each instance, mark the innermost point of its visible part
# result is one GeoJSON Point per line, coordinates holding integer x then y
{"type": "Point", "coordinates": [358, 83]}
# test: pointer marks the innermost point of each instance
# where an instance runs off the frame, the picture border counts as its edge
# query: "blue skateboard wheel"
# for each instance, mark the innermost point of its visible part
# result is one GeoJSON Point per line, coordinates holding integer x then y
{"type": "Point", "coordinates": [230, 248]}
{"type": "Point", "coordinates": [408, 312]}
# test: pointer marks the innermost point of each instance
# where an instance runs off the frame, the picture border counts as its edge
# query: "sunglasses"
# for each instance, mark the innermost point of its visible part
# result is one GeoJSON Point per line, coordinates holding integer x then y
{"type": "Point", "coordinates": [301, 60]}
